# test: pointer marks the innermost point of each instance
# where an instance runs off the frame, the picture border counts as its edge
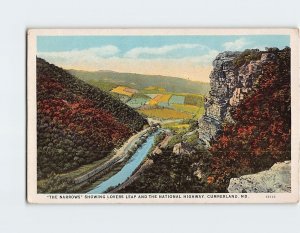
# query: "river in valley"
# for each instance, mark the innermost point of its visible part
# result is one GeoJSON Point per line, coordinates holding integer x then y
{"type": "Point", "coordinates": [129, 167]}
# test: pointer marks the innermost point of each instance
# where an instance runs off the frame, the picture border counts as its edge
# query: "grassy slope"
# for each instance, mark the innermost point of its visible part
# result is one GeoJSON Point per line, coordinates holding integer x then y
{"type": "Point", "coordinates": [165, 113]}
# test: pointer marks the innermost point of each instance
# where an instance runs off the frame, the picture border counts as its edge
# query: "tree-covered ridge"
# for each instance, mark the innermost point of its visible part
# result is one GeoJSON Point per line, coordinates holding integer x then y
{"type": "Point", "coordinates": [143, 81]}
{"type": "Point", "coordinates": [77, 123]}
{"type": "Point", "coordinates": [261, 134]}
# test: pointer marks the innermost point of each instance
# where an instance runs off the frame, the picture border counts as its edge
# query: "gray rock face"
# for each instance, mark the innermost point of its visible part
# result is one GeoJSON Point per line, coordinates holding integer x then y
{"type": "Point", "coordinates": [182, 149]}
{"type": "Point", "coordinates": [275, 180]}
{"type": "Point", "coordinates": [229, 86]}
{"type": "Point", "coordinates": [198, 174]}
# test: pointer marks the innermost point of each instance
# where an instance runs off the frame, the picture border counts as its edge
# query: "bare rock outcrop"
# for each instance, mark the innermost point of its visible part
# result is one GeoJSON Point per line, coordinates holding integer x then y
{"type": "Point", "coordinates": [229, 86]}
{"type": "Point", "coordinates": [275, 180]}
{"type": "Point", "coordinates": [182, 149]}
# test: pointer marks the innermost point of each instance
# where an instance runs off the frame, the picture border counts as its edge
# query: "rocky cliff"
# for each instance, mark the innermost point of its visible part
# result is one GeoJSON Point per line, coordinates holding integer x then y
{"type": "Point", "coordinates": [275, 180]}
{"type": "Point", "coordinates": [229, 82]}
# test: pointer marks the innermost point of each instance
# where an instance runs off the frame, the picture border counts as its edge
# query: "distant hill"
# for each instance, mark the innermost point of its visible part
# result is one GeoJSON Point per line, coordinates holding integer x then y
{"type": "Point", "coordinates": [141, 81]}
{"type": "Point", "coordinates": [76, 122]}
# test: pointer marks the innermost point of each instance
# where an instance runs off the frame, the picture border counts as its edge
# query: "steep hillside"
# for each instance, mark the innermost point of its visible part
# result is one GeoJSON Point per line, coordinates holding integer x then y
{"type": "Point", "coordinates": [141, 81]}
{"type": "Point", "coordinates": [248, 113]}
{"type": "Point", "coordinates": [77, 123]}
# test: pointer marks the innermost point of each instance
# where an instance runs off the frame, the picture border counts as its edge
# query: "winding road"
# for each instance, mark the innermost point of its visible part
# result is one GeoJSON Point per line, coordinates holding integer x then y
{"type": "Point", "coordinates": [119, 156]}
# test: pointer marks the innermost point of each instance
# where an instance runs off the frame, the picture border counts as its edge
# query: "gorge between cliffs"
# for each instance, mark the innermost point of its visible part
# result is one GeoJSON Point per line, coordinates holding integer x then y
{"type": "Point", "coordinates": [231, 137]}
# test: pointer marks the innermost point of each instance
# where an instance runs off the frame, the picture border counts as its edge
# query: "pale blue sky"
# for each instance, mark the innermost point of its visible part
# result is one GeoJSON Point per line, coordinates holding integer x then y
{"type": "Point", "coordinates": [181, 56]}
{"type": "Point", "coordinates": [125, 43]}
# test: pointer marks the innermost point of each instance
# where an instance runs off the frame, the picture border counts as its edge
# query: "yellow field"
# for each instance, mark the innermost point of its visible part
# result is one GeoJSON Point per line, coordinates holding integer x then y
{"type": "Point", "coordinates": [122, 90]}
{"type": "Point", "coordinates": [159, 98]}
{"type": "Point", "coordinates": [165, 113]}
{"type": "Point", "coordinates": [154, 88]}
{"type": "Point", "coordinates": [176, 126]}
{"type": "Point", "coordinates": [186, 108]}
{"type": "Point", "coordinates": [200, 113]}
{"type": "Point", "coordinates": [165, 98]}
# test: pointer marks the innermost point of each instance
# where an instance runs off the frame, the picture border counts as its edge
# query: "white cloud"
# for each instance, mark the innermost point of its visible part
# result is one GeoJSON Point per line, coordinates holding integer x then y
{"type": "Point", "coordinates": [205, 59]}
{"type": "Point", "coordinates": [137, 52]}
{"type": "Point", "coordinates": [85, 54]}
{"type": "Point", "coordinates": [238, 44]}
{"type": "Point", "coordinates": [195, 66]}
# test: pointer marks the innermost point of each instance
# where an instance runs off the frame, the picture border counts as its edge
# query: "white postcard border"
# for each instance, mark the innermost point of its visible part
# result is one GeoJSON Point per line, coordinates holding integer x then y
{"type": "Point", "coordinates": [32, 195]}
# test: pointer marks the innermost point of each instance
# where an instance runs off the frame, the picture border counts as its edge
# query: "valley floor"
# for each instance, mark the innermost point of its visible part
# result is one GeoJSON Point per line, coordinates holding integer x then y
{"type": "Point", "coordinates": [91, 175]}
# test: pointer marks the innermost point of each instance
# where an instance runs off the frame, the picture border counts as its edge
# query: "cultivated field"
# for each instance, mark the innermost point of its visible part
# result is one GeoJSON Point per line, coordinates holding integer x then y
{"type": "Point", "coordinates": [165, 113]}
{"type": "Point", "coordinates": [156, 102]}
{"type": "Point", "coordinates": [122, 90]}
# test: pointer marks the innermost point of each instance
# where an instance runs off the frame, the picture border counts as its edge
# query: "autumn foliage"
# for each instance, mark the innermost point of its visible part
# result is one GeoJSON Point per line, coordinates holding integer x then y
{"type": "Point", "coordinates": [77, 123]}
{"type": "Point", "coordinates": [261, 135]}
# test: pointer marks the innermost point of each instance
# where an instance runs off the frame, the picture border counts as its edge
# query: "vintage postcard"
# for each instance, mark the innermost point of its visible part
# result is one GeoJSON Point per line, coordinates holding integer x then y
{"type": "Point", "coordinates": [162, 115]}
